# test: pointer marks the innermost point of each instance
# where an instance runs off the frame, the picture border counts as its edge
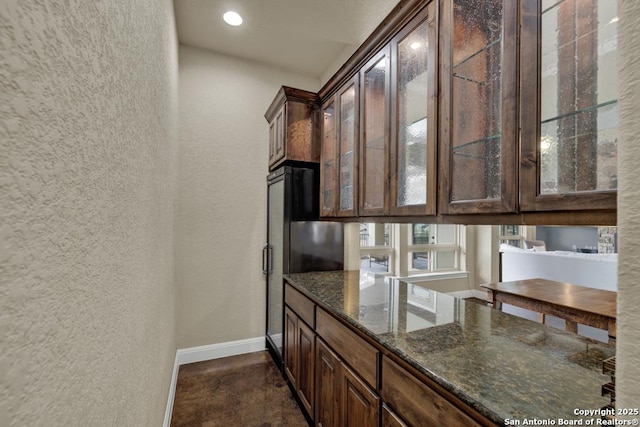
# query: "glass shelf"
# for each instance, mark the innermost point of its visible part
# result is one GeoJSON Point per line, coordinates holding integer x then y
{"type": "Point", "coordinates": [473, 55]}
{"type": "Point", "coordinates": [494, 138]}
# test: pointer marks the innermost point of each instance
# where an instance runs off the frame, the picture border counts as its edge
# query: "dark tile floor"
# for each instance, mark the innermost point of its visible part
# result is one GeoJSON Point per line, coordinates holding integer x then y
{"type": "Point", "coordinates": [245, 390]}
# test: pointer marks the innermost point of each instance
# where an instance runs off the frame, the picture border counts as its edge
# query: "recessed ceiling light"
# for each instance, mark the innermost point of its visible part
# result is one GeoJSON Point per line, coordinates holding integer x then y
{"type": "Point", "coordinates": [416, 45]}
{"type": "Point", "coordinates": [232, 18]}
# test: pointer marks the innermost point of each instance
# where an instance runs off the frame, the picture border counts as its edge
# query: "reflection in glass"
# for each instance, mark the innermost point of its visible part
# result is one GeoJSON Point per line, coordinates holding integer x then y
{"type": "Point", "coordinates": [420, 260]}
{"type": "Point", "coordinates": [328, 157]}
{"type": "Point", "coordinates": [412, 122]}
{"type": "Point", "coordinates": [477, 99]}
{"type": "Point", "coordinates": [347, 144]}
{"type": "Point", "coordinates": [579, 111]}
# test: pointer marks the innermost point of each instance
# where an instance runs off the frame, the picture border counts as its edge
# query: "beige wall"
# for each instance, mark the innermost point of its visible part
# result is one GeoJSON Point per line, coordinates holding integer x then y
{"type": "Point", "coordinates": [628, 343]}
{"type": "Point", "coordinates": [221, 213]}
{"type": "Point", "coordinates": [88, 147]}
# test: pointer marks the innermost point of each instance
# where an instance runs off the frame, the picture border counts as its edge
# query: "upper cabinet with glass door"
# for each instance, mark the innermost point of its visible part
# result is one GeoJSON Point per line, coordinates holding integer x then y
{"type": "Point", "coordinates": [569, 105]}
{"type": "Point", "coordinates": [478, 106]}
{"type": "Point", "coordinates": [374, 135]}
{"type": "Point", "coordinates": [339, 154]}
{"type": "Point", "coordinates": [413, 116]}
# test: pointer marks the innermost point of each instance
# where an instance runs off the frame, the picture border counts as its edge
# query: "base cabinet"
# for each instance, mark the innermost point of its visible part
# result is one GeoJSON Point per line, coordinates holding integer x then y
{"type": "Point", "coordinates": [343, 380]}
{"type": "Point", "coordinates": [342, 398]}
{"type": "Point", "coordinates": [327, 386]}
{"type": "Point", "coordinates": [300, 358]}
{"type": "Point", "coordinates": [419, 404]}
{"type": "Point", "coordinates": [360, 405]}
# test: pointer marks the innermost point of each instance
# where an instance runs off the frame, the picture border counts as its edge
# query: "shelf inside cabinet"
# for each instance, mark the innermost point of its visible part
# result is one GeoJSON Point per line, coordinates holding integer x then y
{"type": "Point", "coordinates": [491, 138]}
{"type": "Point", "coordinates": [478, 52]}
{"type": "Point", "coordinates": [375, 144]}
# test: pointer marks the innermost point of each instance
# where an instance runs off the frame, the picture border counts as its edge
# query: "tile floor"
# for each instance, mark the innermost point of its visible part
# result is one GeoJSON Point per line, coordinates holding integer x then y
{"type": "Point", "coordinates": [245, 390]}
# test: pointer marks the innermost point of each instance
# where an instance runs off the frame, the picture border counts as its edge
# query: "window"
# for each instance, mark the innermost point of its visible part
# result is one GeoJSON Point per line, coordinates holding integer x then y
{"type": "Point", "coordinates": [432, 248]}
{"type": "Point", "coordinates": [513, 235]}
{"type": "Point", "coordinates": [409, 249]}
{"type": "Point", "coordinates": [375, 247]}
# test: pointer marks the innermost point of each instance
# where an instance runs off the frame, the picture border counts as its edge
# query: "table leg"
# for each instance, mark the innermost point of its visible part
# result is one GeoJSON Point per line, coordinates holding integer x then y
{"type": "Point", "coordinates": [571, 326]}
{"type": "Point", "coordinates": [541, 317]}
{"type": "Point", "coordinates": [492, 297]}
{"type": "Point", "coordinates": [612, 331]}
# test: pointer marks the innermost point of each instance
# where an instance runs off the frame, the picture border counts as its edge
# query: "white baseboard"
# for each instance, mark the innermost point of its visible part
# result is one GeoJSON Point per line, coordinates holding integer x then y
{"type": "Point", "coordinates": [172, 393]}
{"type": "Point", "coordinates": [185, 356]}
{"type": "Point", "coordinates": [471, 293]}
{"type": "Point", "coordinates": [216, 351]}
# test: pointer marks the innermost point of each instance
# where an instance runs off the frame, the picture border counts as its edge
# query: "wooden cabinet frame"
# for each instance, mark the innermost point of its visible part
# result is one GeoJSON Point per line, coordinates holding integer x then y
{"type": "Point", "coordinates": [509, 118]}
{"type": "Point", "coordinates": [384, 209]}
{"type": "Point", "coordinates": [335, 210]}
{"type": "Point", "coordinates": [292, 135]}
{"type": "Point", "coordinates": [299, 353]}
{"type": "Point", "coordinates": [428, 14]}
{"type": "Point", "coordinates": [531, 198]}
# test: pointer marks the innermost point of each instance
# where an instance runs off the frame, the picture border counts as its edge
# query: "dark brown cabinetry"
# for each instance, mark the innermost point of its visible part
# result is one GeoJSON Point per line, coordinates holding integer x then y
{"type": "Point", "coordinates": [478, 114]}
{"type": "Point", "coordinates": [327, 387]}
{"type": "Point", "coordinates": [418, 404]}
{"type": "Point", "coordinates": [390, 419]}
{"type": "Point", "coordinates": [339, 158]}
{"type": "Point", "coordinates": [476, 111]}
{"type": "Point", "coordinates": [568, 103]}
{"type": "Point", "coordinates": [292, 134]}
{"type": "Point", "coordinates": [413, 115]}
{"type": "Point", "coordinates": [342, 379]}
{"type": "Point", "coordinates": [360, 405]}
{"type": "Point", "coordinates": [342, 398]}
{"type": "Point", "coordinates": [374, 135]}
{"type": "Point", "coordinates": [299, 358]}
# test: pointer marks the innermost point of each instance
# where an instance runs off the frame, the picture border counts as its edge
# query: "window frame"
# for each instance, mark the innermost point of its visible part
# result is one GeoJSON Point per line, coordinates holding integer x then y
{"type": "Point", "coordinates": [401, 249]}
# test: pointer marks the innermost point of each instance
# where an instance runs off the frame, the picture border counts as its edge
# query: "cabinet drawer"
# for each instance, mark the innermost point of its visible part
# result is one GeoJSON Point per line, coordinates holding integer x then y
{"type": "Point", "coordinates": [419, 404]}
{"type": "Point", "coordinates": [303, 306]}
{"type": "Point", "coordinates": [357, 353]}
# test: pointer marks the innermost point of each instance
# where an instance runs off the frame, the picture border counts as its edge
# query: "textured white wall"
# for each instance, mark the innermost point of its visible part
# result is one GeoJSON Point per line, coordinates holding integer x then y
{"type": "Point", "coordinates": [88, 167]}
{"type": "Point", "coordinates": [221, 213]}
{"type": "Point", "coordinates": [628, 342]}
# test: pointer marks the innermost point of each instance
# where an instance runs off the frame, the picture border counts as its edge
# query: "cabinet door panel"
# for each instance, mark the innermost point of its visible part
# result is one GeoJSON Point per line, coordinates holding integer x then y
{"type": "Point", "coordinates": [306, 370]}
{"type": "Point", "coordinates": [479, 126]}
{"type": "Point", "coordinates": [570, 122]}
{"type": "Point", "coordinates": [290, 346]}
{"type": "Point", "coordinates": [327, 387]}
{"type": "Point", "coordinates": [360, 406]}
{"type": "Point", "coordinates": [328, 168]}
{"type": "Point", "coordinates": [374, 126]}
{"type": "Point", "coordinates": [413, 116]}
{"type": "Point", "coordinates": [280, 135]}
{"type": "Point", "coordinates": [348, 148]}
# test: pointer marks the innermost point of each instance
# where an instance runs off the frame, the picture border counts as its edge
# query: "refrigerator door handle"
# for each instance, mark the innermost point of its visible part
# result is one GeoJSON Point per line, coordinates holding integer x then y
{"type": "Point", "coordinates": [265, 259]}
{"type": "Point", "coordinates": [270, 260]}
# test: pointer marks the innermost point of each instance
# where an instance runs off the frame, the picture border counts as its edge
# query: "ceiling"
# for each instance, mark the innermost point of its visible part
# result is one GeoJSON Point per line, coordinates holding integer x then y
{"type": "Point", "coordinates": [302, 36]}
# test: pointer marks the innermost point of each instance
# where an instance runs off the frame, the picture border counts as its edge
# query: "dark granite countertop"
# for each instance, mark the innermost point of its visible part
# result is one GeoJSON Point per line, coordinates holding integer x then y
{"type": "Point", "coordinates": [504, 366]}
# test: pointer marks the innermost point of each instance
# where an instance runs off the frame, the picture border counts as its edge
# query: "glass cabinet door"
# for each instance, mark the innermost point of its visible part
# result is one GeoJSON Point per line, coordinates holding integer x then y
{"type": "Point", "coordinates": [479, 126]}
{"type": "Point", "coordinates": [413, 115]}
{"type": "Point", "coordinates": [374, 126]}
{"type": "Point", "coordinates": [328, 160]}
{"type": "Point", "coordinates": [347, 148]}
{"type": "Point", "coordinates": [570, 130]}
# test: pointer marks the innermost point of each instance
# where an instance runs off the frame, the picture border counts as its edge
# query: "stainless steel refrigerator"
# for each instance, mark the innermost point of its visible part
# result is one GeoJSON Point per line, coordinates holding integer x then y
{"type": "Point", "coordinates": [296, 241]}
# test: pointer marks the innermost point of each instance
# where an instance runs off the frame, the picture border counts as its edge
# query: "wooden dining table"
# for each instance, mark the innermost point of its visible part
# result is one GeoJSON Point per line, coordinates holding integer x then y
{"type": "Point", "coordinates": [574, 303]}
